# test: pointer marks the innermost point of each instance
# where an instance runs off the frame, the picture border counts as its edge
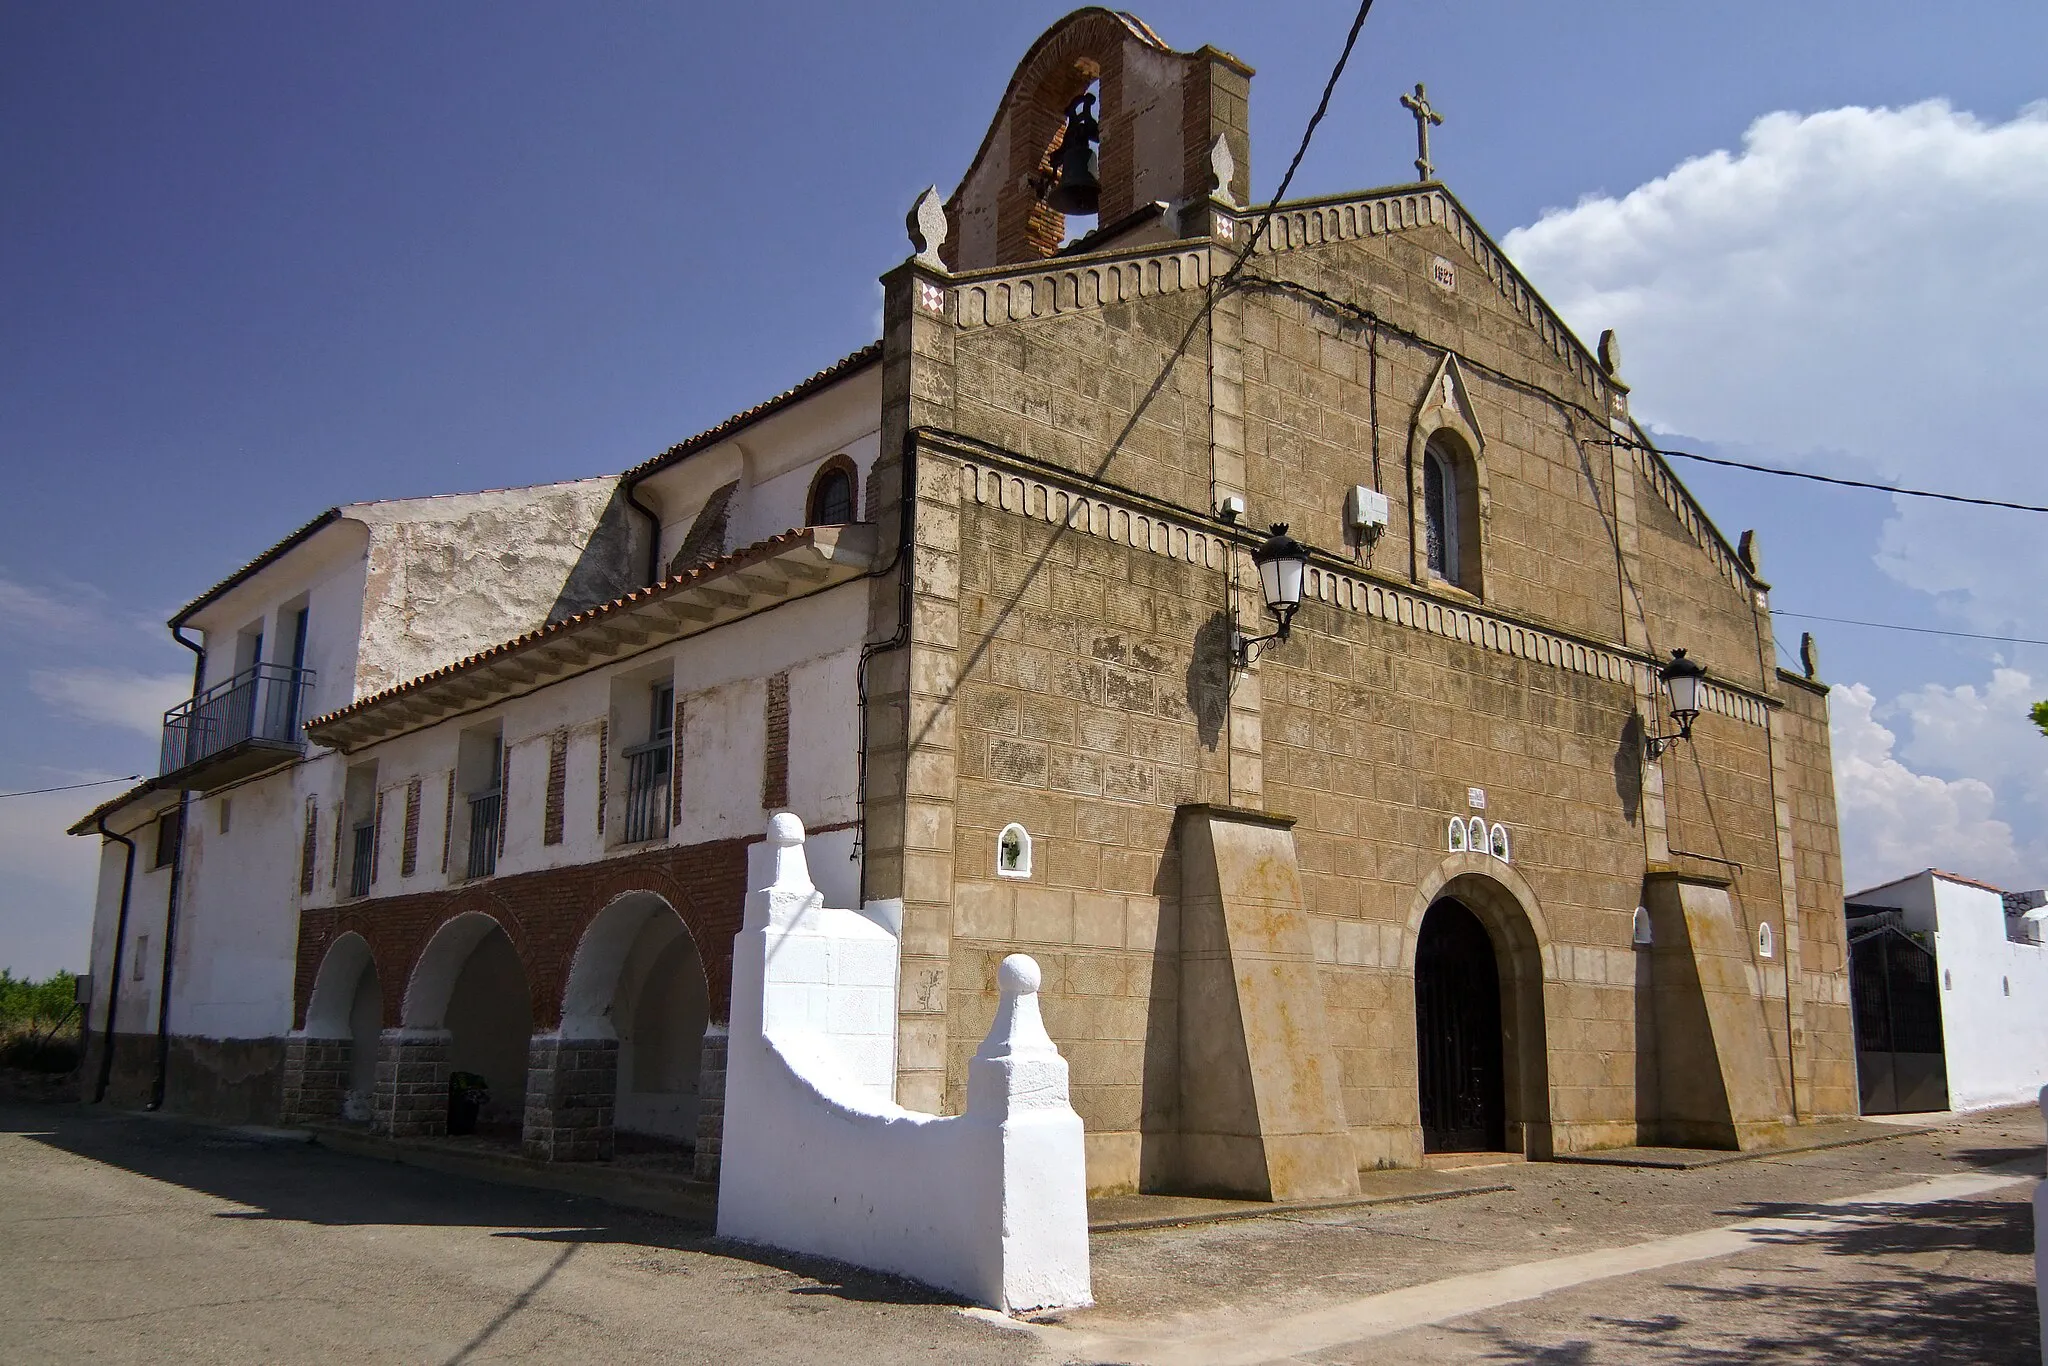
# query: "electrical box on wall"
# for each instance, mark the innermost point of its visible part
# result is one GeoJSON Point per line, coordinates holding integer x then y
{"type": "Point", "coordinates": [1365, 510]}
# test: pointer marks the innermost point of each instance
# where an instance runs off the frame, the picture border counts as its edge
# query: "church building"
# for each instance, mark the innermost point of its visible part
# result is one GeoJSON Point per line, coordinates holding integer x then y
{"type": "Point", "coordinates": [1269, 618]}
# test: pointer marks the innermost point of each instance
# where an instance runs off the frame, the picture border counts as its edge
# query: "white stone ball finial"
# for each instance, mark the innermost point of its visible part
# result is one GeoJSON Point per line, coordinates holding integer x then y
{"type": "Point", "coordinates": [785, 827]}
{"type": "Point", "coordinates": [1019, 975]}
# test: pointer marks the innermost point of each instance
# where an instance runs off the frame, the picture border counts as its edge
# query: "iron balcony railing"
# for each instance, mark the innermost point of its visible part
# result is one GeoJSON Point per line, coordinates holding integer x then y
{"type": "Point", "coordinates": [362, 861]}
{"type": "Point", "coordinates": [483, 832]}
{"type": "Point", "coordinates": [647, 791]}
{"type": "Point", "coordinates": [265, 705]}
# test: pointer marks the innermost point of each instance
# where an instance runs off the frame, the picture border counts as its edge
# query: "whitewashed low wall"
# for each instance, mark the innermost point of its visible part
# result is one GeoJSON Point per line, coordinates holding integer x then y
{"type": "Point", "coordinates": [819, 1158]}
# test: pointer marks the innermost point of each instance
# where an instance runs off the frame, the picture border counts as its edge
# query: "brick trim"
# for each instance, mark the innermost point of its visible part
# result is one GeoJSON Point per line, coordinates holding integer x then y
{"type": "Point", "coordinates": [604, 766]}
{"type": "Point", "coordinates": [376, 837]}
{"type": "Point", "coordinates": [558, 770]}
{"type": "Point", "coordinates": [309, 850]}
{"type": "Point", "coordinates": [409, 849]}
{"type": "Point", "coordinates": [675, 767]}
{"type": "Point", "coordinates": [775, 754]}
{"type": "Point", "coordinates": [447, 822]}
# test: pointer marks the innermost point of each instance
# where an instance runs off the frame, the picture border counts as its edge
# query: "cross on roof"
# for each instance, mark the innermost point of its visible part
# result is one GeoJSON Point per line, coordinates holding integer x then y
{"type": "Point", "coordinates": [1418, 104]}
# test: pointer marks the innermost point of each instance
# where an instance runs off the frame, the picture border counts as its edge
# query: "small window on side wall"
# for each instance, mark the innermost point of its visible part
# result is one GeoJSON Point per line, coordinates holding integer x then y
{"type": "Point", "coordinates": [832, 501]}
{"type": "Point", "coordinates": [170, 828]}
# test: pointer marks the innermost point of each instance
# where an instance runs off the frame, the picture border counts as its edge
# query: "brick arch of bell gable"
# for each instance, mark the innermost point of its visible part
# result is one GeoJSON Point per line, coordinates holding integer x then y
{"type": "Point", "coordinates": [1084, 47]}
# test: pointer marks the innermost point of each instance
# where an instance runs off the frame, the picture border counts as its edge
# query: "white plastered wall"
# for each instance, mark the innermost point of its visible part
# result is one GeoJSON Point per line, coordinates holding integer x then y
{"type": "Point", "coordinates": [1994, 1001]}
{"type": "Point", "coordinates": [773, 460]}
{"type": "Point", "coordinates": [238, 921]}
{"type": "Point", "coordinates": [1994, 992]}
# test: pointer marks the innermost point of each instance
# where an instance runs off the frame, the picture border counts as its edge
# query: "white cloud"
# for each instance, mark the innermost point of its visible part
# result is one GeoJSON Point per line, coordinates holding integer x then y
{"type": "Point", "coordinates": [117, 697]}
{"type": "Point", "coordinates": [69, 608]}
{"type": "Point", "coordinates": [1858, 289]}
{"type": "Point", "coordinates": [1896, 820]}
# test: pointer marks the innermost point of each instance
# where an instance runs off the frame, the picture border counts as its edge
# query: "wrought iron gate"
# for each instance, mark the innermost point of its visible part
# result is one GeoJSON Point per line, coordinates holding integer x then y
{"type": "Point", "coordinates": [1457, 1034]}
{"type": "Point", "coordinates": [1894, 991]}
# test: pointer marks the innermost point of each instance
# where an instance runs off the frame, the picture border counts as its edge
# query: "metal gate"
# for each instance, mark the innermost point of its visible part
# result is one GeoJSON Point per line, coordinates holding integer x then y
{"type": "Point", "coordinates": [1457, 1034]}
{"type": "Point", "coordinates": [1895, 995]}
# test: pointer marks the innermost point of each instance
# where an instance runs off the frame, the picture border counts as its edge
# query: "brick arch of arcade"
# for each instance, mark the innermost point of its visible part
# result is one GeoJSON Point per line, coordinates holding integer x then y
{"type": "Point", "coordinates": [545, 915]}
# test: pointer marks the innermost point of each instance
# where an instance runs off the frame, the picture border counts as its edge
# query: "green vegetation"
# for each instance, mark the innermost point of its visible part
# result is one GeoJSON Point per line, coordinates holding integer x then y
{"type": "Point", "coordinates": [39, 1022]}
{"type": "Point", "coordinates": [2040, 715]}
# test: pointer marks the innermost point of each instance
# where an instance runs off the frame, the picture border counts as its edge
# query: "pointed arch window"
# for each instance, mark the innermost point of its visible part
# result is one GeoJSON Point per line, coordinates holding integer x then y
{"type": "Point", "coordinates": [1450, 513]}
{"type": "Point", "coordinates": [1440, 513]}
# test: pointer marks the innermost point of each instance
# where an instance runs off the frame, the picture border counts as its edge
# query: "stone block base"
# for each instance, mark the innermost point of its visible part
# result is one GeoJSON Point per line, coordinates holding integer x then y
{"type": "Point", "coordinates": [711, 1103]}
{"type": "Point", "coordinates": [572, 1090]}
{"type": "Point", "coordinates": [316, 1078]}
{"type": "Point", "coordinates": [411, 1099]}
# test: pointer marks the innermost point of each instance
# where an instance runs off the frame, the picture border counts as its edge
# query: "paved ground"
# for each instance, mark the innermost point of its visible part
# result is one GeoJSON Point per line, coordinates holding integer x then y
{"type": "Point", "coordinates": [125, 1239]}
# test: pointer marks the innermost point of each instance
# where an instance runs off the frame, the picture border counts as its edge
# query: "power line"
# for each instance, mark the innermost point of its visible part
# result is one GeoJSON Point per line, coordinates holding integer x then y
{"type": "Point", "coordinates": [1307, 134]}
{"type": "Point", "coordinates": [73, 787]}
{"type": "Point", "coordinates": [1831, 479]}
{"type": "Point", "coordinates": [1916, 630]}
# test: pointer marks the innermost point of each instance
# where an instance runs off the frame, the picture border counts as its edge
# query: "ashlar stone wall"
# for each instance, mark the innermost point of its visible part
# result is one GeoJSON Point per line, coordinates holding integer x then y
{"type": "Point", "coordinates": [1066, 669]}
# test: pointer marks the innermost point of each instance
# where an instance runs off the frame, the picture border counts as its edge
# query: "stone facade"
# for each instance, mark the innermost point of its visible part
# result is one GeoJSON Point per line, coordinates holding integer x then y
{"type": "Point", "coordinates": [1071, 428]}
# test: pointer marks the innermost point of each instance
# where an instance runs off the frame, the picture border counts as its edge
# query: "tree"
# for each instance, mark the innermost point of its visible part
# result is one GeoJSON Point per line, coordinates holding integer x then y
{"type": "Point", "coordinates": [2040, 715]}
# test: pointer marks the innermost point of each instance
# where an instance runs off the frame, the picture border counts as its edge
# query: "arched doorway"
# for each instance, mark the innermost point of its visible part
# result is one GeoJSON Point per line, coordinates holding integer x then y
{"type": "Point", "coordinates": [634, 1010]}
{"type": "Point", "coordinates": [470, 990]}
{"type": "Point", "coordinates": [344, 1021]}
{"type": "Point", "coordinates": [1458, 1054]}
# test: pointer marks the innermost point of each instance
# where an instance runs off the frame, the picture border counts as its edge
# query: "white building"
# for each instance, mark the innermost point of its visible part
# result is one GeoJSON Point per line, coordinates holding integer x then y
{"type": "Point", "coordinates": [1987, 984]}
{"type": "Point", "coordinates": [500, 686]}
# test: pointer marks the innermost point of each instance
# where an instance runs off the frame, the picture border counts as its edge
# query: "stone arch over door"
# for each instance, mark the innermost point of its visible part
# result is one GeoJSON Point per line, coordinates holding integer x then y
{"type": "Point", "coordinates": [467, 1007]}
{"type": "Point", "coordinates": [627, 1053]}
{"type": "Point", "coordinates": [1506, 906]}
{"type": "Point", "coordinates": [331, 1063]}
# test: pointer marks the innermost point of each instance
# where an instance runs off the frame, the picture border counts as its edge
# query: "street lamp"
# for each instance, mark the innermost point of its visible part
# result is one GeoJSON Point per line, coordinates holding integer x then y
{"type": "Point", "coordinates": [1681, 679]}
{"type": "Point", "coordinates": [1282, 563]}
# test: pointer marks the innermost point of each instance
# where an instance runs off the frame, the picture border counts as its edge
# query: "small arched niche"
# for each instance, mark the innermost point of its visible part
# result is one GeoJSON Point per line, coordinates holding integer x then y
{"type": "Point", "coordinates": [1013, 851]}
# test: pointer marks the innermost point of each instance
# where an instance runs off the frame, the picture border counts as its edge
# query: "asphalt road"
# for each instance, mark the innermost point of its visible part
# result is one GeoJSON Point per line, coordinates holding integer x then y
{"type": "Point", "coordinates": [130, 1239]}
{"type": "Point", "coordinates": [133, 1240]}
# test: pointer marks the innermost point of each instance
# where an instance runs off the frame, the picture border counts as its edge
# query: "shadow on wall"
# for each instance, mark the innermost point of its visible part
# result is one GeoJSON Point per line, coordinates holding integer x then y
{"type": "Point", "coordinates": [1980, 1310]}
{"type": "Point", "coordinates": [1159, 1084]}
{"type": "Point", "coordinates": [1628, 767]}
{"type": "Point", "coordinates": [1208, 679]}
{"type": "Point", "coordinates": [613, 562]}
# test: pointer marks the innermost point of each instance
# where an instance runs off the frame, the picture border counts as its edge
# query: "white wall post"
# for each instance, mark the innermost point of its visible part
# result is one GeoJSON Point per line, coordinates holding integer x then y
{"type": "Point", "coordinates": [817, 1156]}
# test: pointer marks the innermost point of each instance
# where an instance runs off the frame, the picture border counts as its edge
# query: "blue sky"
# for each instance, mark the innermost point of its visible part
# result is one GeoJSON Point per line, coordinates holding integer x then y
{"type": "Point", "coordinates": [257, 260]}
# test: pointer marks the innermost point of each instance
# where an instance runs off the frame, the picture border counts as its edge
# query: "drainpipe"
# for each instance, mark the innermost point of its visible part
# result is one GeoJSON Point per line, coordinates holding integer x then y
{"type": "Point", "coordinates": [163, 1005]}
{"type": "Point", "coordinates": [904, 558]}
{"type": "Point", "coordinates": [99, 1090]}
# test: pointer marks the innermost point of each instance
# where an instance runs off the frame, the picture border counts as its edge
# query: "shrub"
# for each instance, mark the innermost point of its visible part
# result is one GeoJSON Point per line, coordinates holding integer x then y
{"type": "Point", "coordinates": [33, 1022]}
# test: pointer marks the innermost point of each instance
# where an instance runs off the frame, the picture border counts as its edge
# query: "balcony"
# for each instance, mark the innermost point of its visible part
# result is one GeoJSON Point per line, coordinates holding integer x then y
{"type": "Point", "coordinates": [237, 728]}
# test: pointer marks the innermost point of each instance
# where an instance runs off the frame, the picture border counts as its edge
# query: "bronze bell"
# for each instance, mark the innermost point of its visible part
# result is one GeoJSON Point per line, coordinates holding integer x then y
{"type": "Point", "coordinates": [1077, 191]}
